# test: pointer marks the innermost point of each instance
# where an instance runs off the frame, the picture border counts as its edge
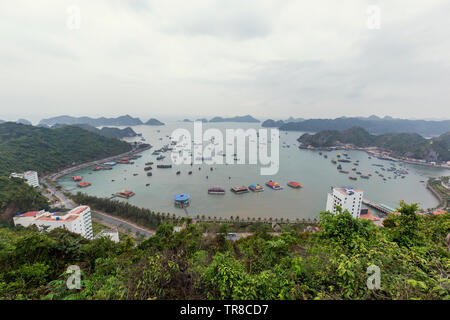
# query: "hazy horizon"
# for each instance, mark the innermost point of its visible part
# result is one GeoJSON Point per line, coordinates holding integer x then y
{"type": "Point", "coordinates": [196, 59]}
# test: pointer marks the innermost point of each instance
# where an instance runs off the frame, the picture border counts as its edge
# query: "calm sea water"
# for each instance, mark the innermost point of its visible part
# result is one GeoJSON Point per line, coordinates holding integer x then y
{"type": "Point", "coordinates": [312, 170]}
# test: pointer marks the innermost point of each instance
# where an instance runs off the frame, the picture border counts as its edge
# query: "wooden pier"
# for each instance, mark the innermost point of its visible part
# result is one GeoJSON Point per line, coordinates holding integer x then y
{"type": "Point", "coordinates": [379, 206]}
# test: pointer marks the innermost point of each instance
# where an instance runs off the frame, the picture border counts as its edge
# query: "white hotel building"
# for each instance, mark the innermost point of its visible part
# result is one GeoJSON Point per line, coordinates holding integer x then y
{"type": "Point", "coordinates": [347, 198]}
{"type": "Point", "coordinates": [31, 177]}
{"type": "Point", "coordinates": [77, 220]}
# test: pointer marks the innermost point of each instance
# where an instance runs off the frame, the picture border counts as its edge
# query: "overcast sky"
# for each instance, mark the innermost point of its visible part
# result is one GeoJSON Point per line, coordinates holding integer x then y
{"type": "Point", "coordinates": [270, 59]}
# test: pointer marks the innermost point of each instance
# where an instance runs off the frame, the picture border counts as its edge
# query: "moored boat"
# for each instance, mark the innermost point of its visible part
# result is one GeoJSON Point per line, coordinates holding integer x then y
{"type": "Point", "coordinates": [256, 188]}
{"type": "Point", "coordinates": [124, 194]}
{"type": "Point", "coordinates": [239, 189]}
{"type": "Point", "coordinates": [84, 184]}
{"type": "Point", "coordinates": [77, 178]}
{"type": "Point", "coordinates": [274, 185]}
{"type": "Point", "coordinates": [294, 185]}
{"type": "Point", "coordinates": [164, 166]}
{"type": "Point", "coordinates": [217, 190]}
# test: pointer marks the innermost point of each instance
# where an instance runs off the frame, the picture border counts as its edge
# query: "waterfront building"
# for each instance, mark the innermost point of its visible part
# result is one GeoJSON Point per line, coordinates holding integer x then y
{"type": "Point", "coordinates": [30, 177]}
{"type": "Point", "coordinates": [347, 198]}
{"type": "Point", "coordinates": [77, 220]}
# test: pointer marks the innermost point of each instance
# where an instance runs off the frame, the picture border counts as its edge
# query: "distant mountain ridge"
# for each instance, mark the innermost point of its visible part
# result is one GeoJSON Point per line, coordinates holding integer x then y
{"type": "Point", "coordinates": [114, 133]}
{"type": "Point", "coordinates": [410, 145]}
{"type": "Point", "coordinates": [125, 120]}
{"type": "Point", "coordinates": [246, 118]}
{"type": "Point", "coordinates": [372, 124]}
{"type": "Point", "coordinates": [269, 123]}
{"type": "Point", "coordinates": [154, 122]}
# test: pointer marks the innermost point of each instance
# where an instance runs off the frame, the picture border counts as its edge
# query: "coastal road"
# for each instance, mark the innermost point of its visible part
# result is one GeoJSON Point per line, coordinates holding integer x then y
{"type": "Point", "coordinates": [69, 204]}
{"type": "Point", "coordinates": [122, 224]}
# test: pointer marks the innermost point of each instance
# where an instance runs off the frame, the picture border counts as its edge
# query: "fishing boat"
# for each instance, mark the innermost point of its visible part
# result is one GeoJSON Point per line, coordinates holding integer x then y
{"type": "Point", "coordinates": [352, 178]}
{"type": "Point", "coordinates": [364, 177]}
{"type": "Point", "coordinates": [149, 174]}
{"type": "Point", "coordinates": [354, 169]}
{"type": "Point", "coordinates": [217, 190]}
{"type": "Point", "coordinates": [147, 168]}
{"type": "Point", "coordinates": [239, 189]}
{"type": "Point", "coordinates": [190, 172]}
{"type": "Point", "coordinates": [338, 155]}
{"type": "Point", "coordinates": [274, 185]}
{"type": "Point", "coordinates": [294, 185]}
{"type": "Point", "coordinates": [334, 160]}
{"type": "Point", "coordinates": [97, 168]}
{"type": "Point", "coordinates": [77, 178]}
{"type": "Point", "coordinates": [343, 171]}
{"type": "Point", "coordinates": [339, 167]}
{"type": "Point", "coordinates": [344, 160]}
{"type": "Point", "coordinates": [107, 168]}
{"type": "Point", "coordinates": [256, 188]}
{"type": "Point", "coordinates": [178, 172]}
{"type": "Point", "coordinates": [124, 194]}
{"type": "Point", "coordinates": [135, 174]}
{"type": "Point", "coordinates": [84, 184]}
{"type": "Point", "coordinates": [148, 163]}
{"type": "Point", "coordinates": [160, 157]}
{"type": "Point", "coordinates": [325, 156]}
{"type": "Point", "coordinates": [164, 166]}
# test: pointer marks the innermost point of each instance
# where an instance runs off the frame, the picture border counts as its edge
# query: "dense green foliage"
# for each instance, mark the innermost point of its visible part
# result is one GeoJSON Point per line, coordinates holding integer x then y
{"type": "Point", "coordinates": [401, 144]}
{"type": "Point", "coordinates": [141, 216]}
{"type": "Point", "coordinates": [410, 251]}
{"type": "Point", "coordinates": [24, 147]}
{"type": "Point", "coordinates": [17, 196]}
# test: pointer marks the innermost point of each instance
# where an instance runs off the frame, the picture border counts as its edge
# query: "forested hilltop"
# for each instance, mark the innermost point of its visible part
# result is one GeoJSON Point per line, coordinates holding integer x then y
{"type": "Point", "coordinates": [372, 124]}
{"type": "Point", "coordinates": [401, 144]}
{"type": "Point", "coordinates": [24, 147]}
{"type": "Point", "coordinates": [410, 251]}
{"type": "Point", "coordinates": [17, 196]}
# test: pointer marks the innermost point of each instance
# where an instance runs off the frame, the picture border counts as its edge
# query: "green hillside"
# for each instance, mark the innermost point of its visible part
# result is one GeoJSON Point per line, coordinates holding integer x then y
{"type": "Point", "coordinates": [24, 147]}
{"type": "Point", "coordinates": [401, 144]}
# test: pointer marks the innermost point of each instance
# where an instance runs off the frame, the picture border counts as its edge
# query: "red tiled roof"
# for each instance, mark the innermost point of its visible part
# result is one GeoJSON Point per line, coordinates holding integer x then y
{"type": "Point", "coordinates": [78, 210]}
{"type": "Point", "coordinates": [29, 214]}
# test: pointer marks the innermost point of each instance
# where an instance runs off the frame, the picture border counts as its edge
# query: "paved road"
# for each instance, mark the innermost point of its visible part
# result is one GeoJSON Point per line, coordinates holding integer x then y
{"type": "Point", "coordinates": [123, 224]}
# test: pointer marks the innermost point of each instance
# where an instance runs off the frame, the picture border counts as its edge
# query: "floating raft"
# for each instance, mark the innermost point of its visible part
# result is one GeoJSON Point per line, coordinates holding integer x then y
{"type": "Point", "coordinates": [125, 194]}
{"type": "Point", "coordinates": [182, 200]}
{"type": "Point", "coordinates": [294, 185]}
{"type": "Point", "coordinates": [84, 184]}
{"type": "Point", "coordinates": [274, 185]}
{"type": "Point", "coordinates": [239, 189]}
{"type": "Point", "coordinates": [217, 190]}
{"type": "Point", "coordinates": [164, 166]}
{"type": "Point", "coordinates": [256, 188]}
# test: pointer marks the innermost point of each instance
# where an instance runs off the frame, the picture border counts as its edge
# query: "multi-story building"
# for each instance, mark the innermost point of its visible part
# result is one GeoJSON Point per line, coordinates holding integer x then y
{"type": "Point", "coordinates": [77, 220]}
{"type": "Point", "coordinates": [31, 177]}
{"type": "Point", "coordinates": [347, 198]}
